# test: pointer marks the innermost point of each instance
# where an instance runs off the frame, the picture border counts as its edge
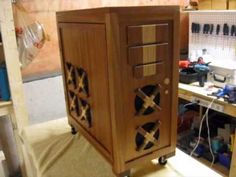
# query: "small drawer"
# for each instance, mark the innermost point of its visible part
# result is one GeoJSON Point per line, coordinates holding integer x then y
{"type": "Point", "coordinates": [146, 34]}
{"type": "Point", "coordinates": [147, 54]}
{"type": "Point", "coordinates": [148, 70]}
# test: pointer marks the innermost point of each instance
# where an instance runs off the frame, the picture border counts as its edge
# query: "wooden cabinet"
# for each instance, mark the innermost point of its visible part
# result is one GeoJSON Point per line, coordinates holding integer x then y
{"type": "Point", "coordinates": [120, 68]}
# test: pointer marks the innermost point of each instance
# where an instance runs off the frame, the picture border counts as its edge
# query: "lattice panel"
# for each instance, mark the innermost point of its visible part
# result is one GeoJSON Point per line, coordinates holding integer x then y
{"type": "Point", "coordinates": [70, 74]}
{"type": "Point", "coordinates": [78, 106]}
{"type": "Point", "coordinates": [147, 100]}
{"type": "Point", "coordinates": [147, 136]}
{"type": "Point", "coordinates": [73, 103]}
{"type": "Point", "coordinates": [82, 81]}
{"type": "Point", "coordinates": [84, 111]}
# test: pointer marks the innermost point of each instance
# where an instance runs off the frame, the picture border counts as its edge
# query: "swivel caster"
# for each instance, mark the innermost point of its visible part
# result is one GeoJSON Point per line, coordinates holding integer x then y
{"type": "Point", "coordinates": [162, 160]}
{"type": "Point", "coordinates": [125, 174]}
{"type": "Point", "coordinates": [73, 131]}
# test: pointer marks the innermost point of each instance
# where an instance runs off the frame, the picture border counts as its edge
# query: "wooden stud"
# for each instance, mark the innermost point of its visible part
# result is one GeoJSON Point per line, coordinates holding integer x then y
{"type": "Point", "coordinates": [18, 113]}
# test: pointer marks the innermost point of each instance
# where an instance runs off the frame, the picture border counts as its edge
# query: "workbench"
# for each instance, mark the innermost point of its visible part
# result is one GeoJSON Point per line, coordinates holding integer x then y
{"type": "Point", "coordinates": [194, 93]}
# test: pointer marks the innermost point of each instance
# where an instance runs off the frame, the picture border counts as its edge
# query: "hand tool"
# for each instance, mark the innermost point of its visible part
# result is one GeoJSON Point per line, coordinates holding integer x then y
{"type": "Point", "coordinates": [228, 93]}
{"type": "Point", "coordinates": [195, 28]}
{"type": "Point", "coordinates": [225, 32]}
{"type": "Point", "coordinates": [184, 64]}
{"type": "Point", "coordinates": [217, 29]}
{"type": "Point", "coordinates": [211, 28]}
{"type": "Point", "coordinates": [232, 33]}
{"type": "Point", "coordinates": [233, 30]}
{"type": "Point", "coordinates": [206, 28]}
{"type": "Point", "coordinates": [217, 33]}
{"type": "Point", "coordinates": [202, 70]}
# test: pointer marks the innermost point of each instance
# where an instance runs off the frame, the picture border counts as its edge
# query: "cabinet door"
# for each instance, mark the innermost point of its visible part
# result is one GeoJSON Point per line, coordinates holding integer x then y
{"type": "Point", "coordinates": [84, 61]}
{"type": "Point", "coordinates": [148, 51]}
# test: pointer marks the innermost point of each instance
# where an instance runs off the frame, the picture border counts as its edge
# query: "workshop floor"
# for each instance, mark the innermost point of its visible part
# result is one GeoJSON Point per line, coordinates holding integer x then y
{"type": "Point", "coordinates": [48, 139]}
{"type": "Point", "coordinates": [1, 165]}
{"type": "Point", "coordinates": [181, 165]}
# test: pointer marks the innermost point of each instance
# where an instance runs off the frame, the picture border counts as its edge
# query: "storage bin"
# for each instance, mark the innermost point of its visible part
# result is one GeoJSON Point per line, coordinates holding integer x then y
{"type": "Point", "coordinates": [4, 85]}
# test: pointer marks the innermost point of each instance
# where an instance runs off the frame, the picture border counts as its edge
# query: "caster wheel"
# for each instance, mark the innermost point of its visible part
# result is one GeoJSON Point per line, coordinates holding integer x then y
{"type": "Point", "coordinates": [73, 131]}
{"type": "Point", "coordinates": [162, 160]}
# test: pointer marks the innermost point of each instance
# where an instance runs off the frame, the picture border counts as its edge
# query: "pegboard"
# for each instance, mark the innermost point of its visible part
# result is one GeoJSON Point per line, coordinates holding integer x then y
{"type": "Point", "coordinates": [221, 48]}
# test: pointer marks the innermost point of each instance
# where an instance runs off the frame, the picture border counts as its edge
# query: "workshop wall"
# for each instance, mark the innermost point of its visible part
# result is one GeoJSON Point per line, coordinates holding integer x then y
{"type": "Point", "coordinates": [48, 61]}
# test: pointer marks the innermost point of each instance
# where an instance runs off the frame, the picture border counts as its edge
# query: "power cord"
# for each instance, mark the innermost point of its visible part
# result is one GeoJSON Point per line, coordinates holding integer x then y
{"type": "Point", "coordinates": [208, 133]}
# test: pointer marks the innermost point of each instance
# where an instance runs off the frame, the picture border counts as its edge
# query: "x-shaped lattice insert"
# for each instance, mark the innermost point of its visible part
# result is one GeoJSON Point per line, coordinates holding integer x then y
{"type": "Point", "coordinates": [81, 81]}
{"type": "Point", "coordinates": [150, 100]}
{"type": "Point", "coordinates": [150, 136]}
{"type": "Point", "coordinates": [70, 73]}
{"type": "Point", "coordinates": [84, 112]}
{"type": "Point", "coordinates": [73, 104]}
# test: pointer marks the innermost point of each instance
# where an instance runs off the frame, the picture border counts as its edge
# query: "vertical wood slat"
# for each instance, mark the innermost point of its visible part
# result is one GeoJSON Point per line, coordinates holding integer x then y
{"type": "Point", "coordinates": [149, 33]}
{"type": "Point", "coordinates": [20, 119]}
{"type": "Point", "coordinates": [232, 171]}
{"type": "Point", "coordinates": [18, 115]}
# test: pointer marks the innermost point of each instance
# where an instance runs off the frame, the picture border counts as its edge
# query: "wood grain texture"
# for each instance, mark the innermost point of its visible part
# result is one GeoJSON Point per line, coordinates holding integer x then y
{"type": "Point", "coordinates": [145, 54]}
{"type": "Point", "coordinates": [124, 66]}
{"type": "Point", "coordinates": [78, 39]}
{"type": "Point", "coordinates": [47, 61]}
{"type": "Point", "coordinates": [146, 34]}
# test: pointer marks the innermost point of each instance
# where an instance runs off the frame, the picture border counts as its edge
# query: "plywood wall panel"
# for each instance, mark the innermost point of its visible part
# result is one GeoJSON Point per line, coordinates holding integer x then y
{"type": "Point", "coordinates": [48, 60]}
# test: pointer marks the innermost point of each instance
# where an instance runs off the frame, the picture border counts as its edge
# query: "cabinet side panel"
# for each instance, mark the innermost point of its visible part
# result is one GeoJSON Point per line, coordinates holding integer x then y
{"type": "Point", "coordinates": [86, 79]}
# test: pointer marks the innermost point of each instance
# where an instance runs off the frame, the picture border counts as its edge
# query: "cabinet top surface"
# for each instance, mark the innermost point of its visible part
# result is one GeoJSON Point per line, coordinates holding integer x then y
{"type": "Point", "coordinates": [123, 9]}
{"type": "Point", "coordinates": [98, 15]}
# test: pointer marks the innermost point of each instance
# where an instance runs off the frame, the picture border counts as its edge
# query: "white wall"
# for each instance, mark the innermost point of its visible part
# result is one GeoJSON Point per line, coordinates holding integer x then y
{"type": "Point", "coordinates": [45, 99]}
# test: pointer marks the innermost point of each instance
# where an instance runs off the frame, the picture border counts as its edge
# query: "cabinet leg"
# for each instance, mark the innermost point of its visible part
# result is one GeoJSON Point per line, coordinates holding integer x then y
{"type": "Point", "coordinates": [73, 130]}
{"type": "Point", "coordinates": [124, 174]}
{"type": "Point", "coordinates": [162, 160]}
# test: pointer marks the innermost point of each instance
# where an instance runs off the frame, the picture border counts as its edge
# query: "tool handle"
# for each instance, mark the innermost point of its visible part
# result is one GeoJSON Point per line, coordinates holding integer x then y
{"type": "Point", "coordinates": [232, 30]}
{"type": "Point", "coordinates": [217, 29]}
{"type": "Point", "coordinates": [211, 28]}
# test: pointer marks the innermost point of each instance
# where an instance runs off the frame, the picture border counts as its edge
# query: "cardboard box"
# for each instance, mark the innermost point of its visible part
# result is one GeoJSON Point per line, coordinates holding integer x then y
{"type": "Point", "coordinates": [219, 5]}
{"type": "Point", "coordinates": [232, 4]}
{"type": "Point", "coordinates": [204, 5]}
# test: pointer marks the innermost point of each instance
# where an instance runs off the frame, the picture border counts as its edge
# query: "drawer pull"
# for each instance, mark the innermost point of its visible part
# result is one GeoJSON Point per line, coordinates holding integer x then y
{"type": "Point", "coordinates": [148, 54]}
{"type": "Point", "coordinates": [148, 70]}
{"type": "Point", "coordinates": [147, 34]}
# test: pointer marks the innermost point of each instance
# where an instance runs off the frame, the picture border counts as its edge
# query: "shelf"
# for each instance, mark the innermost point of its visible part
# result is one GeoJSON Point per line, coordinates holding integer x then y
{"type": "Point", "coordinates": [217, 167]}
{"type": "Point", "coordinates": [5, 103]}
{"type": "Point", "coordinates": [5, 107]}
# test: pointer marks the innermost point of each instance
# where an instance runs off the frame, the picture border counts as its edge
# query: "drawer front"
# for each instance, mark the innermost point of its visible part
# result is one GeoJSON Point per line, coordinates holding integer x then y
{"type": "Point", "coordinates": [148, 54]}
{"type": "Point", "coordinates": [146, 34]}
{"type": "Point", "coordinates": [148, 70]}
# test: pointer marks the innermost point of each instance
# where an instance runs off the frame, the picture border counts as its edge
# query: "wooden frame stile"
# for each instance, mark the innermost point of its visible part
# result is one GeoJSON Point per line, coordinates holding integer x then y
{"type": "Point", "coordinates": [18, 113]}
{"type": "Point", "coordinates": [175, 80]}
{"type": "Point", "coordinates": [115, 82]}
